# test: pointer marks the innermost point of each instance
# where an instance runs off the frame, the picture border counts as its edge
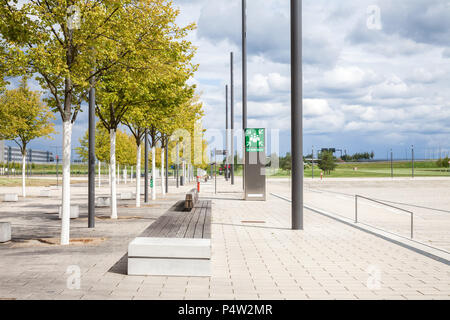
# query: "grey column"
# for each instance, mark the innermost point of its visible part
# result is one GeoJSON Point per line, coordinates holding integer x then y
{"type": "Point", "coordinates": [232, 116]}
{"type": "Point", "coordinates": [178, 166]}
{"type": "Point", "coordinates": [167, 164]}
{"type": "Point", "coordinates": [244, 82]}
{"type": "Point", "coordinates": [297, 115]}
{"type": "Point", "coordinates": [146, 167]}
{"type": "Point", "coordinates": [392, 164]}
{"type": "Point", "coordinates": [227, 156]}
{"type": "Point", "coordinates": [91, 191]}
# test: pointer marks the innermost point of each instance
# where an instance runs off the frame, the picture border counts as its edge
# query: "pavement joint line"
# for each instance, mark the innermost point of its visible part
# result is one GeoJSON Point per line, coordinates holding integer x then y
{"type": "Point", "coordinates": [388, 201]}
{"type": "Point", "coordinates": [443, 257]}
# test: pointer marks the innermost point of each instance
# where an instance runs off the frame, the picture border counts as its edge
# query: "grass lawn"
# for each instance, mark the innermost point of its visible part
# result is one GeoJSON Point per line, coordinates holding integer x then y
{"type": "Point", "coordinates": [17, 182]}
{"type": "Point", "coordinates": [378, 170]}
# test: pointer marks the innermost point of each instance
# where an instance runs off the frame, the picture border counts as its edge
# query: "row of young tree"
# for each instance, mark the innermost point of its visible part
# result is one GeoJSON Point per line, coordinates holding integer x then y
{"type": "Point", "coordinates": [23, 118]}
{"type": "Point", "coordinates": [131, 51]}
{"type": "Point", "coordinates": [443, 162]}
{"type": "Point", "coordinates": [126, 146]}
{"type": "Point", "coordinates": [327, 162]}
{"type": "Point", "coordinates": [358, 156]}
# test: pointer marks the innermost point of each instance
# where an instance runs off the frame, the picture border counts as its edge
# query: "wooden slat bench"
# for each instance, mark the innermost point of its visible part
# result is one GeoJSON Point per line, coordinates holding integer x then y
{"type": "Point", "coordinates": [177, 244]}
{"type": "Point", "coordinates": [191, 199]}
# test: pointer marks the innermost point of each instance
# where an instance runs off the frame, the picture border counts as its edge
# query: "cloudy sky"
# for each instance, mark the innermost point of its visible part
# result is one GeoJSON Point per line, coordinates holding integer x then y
{"type": "Point", "coordinates": [376, 73]}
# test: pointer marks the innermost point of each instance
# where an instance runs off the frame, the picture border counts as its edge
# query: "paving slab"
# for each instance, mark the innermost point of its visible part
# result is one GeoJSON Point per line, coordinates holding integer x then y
{"type": "Point", "coordinates": [267, 260]}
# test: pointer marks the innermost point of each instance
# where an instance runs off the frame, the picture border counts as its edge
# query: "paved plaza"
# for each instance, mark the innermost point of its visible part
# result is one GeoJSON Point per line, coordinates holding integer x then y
{"type": "Point", "coordinates": [255, 255]}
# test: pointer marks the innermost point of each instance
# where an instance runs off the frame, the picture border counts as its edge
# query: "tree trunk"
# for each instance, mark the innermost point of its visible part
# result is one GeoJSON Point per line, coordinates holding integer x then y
{"type": "Point", "coordinates": [24, 168]}
{"type": "Point", "coordinates": [153, 173]}
{"type": "Point", "coordinates": [113, 174]}
{"type": "Point", "coordinates": [138, 177]}
{"type": "Point", "coordinates": [65, 212]}
{"type": "Point", "coordinates": [99, 174]}
{"type": "Point", "coordinates": [163, 188]}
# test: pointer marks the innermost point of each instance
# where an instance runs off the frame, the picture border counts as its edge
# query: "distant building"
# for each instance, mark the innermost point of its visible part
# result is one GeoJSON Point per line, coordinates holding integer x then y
{"type": "Point", "coordinates": [10, 154]}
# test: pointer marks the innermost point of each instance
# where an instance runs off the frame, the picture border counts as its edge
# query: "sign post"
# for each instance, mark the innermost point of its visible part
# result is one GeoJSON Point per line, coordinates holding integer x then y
{"type": "Point", "coordinates": [255, 173]}
{"type": "Point", "coordinates": [217, 153]}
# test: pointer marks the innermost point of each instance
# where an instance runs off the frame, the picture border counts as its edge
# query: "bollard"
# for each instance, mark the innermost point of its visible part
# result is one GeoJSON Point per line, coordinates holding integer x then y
{"type": "Point", "coordinates": [198, 184]}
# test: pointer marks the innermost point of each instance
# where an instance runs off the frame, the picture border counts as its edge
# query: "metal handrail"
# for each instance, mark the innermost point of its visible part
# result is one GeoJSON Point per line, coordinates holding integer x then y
{"type": "Point", "coordinates": [387, 205]}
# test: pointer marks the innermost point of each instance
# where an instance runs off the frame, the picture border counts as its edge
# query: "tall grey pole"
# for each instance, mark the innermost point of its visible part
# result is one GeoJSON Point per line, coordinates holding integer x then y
{"type": "Point", "coordinates": [146, 167]}
{"type": "Point", "coordinates": [297, 115]}
{"type": "Point", "coordinates": [232, 115]}
{"type": "Point", "coordinates": [244, 83]}
{"type": "Point", "coordinates": [226, 133]}
{"type": "Point", "coordinates": [91, 196]}
{"type": "Point", "coordinates": [392, 164]}
{"type": "Point", "coordinates": [167, 164]}
{"type": "Point", "coordinates": [178, 166]}
{"type": "Point", "coordinates": [215, 171]}
{"type": "Point", "coordinates": [412, 148]}
{"type": "Point", "coordinates": [312, 161]}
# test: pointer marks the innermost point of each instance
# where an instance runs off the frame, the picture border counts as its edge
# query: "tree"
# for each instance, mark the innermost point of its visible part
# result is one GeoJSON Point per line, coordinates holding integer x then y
{"type": "Point", "coordinates": [23, 118]}
{"type": "Point", "coordinates": [327, 162]}
{"type": "Point", "coordinates": [125, 146]}
{"type": "Point", "coordinates": [58, 42]}
{"type": "Point", "coordinates": [159, 53]}
{"type": "Point", "coordinates": [443, 162]}
{"type": "Point", "coordinates": [158, 111]}
{"type": "Point", "coordinates": [286, 162]}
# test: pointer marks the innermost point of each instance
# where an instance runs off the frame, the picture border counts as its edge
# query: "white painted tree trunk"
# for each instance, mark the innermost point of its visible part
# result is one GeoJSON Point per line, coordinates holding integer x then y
{"type": "Point", "coordinates": [125, 175]}
{"type": "Point", "coordinates": [154, 173]}
{"type": "Point", "coordinates": [24, 168]}
{"type": "Point", "coordinates": [118, 174]}
{"type": "Point", "coordinates": [138, 177]}
{"type": "Point", "coordinates": [113, 175]}
{"type": "Point", "coordinates": [65, 212]}
{"type": "Point", "coordinates": [109, 172]}
{"type": "Point", "coordinates": [99, 174]}
{"type": "Point", "coordinates": [163, 188]}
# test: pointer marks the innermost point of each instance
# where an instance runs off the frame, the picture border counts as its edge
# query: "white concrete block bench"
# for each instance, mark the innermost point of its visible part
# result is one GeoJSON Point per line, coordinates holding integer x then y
{"type": "Point", "coordinates": [5, 232]}
{"type": "Point", "coordinates": [103, 202]}
{"type": "Point", "coordinates": [11, 197]}
{"type": "Point", "coordinates": [74, 212]}
{"type": "Point", "coordinates": [177, 244]}
{"type": "Point", "coordinates": [44, 194]}
{"type": "Point", "coordinates": [126, 196]}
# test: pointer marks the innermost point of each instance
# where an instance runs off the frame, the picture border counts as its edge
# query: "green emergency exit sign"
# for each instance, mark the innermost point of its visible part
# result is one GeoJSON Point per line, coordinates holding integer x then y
{"type": "Point", "coordinates": [255, 140]}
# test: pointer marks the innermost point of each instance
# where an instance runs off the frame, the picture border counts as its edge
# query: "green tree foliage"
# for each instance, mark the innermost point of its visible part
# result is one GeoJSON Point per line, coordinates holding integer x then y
{"type": "Point", "coordinates": [443, 162]}
{"type": "Point", "coordinates": [23, 117]}
{"type": "Point", "coordinates": [358, 156]}
{"type": "Point", "coordinates": [125, 148]}
{"type": "Point", "coordinates": [327, 162]}
{"type": "Point", "coordinates": [286, 162]}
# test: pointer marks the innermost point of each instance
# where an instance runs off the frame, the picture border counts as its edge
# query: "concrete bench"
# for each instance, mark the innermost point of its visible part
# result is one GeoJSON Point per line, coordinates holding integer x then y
{"type": "Point", "coordinates": [74, 212]}
{"type": "Point", "coordinates": [5, 232]}
{"type": "Point", "coordinates": [44, 194]}
{"type": "Point", "coordinates": [177, 244]}
{"type": "Point", "coordinates": [191, 199]}
{"type": "Point", "coordinates": [11, 197]}
{"type": "Point", "coordinates": [126, 196]}
{"type": "Point", "coordinates": [103, 202]}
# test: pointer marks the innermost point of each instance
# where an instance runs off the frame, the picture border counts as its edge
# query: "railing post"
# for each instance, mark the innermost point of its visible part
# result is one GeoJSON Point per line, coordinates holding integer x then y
{"type": "Point", "coordinates": [356, 209]}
